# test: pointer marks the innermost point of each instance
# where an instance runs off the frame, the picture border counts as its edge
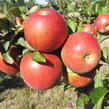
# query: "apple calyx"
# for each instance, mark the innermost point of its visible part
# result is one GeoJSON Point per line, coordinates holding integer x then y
{"type": "Point", "coordinates": [88, 57]}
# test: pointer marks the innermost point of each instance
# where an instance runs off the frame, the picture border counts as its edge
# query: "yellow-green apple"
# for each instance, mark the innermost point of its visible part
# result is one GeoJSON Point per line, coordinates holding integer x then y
{"type": "Point", "coordinates": [45, 30]}
{"type": "Point", "coordinates": [39, 75]}
{"type": "Point", "coordinates": [81, 52]}
{"type": "Point", "coordinates": [77, 80]}
{"type": "Point", "coordinates": [89, 29]}
{"type": "Point", "coordinates": [102, 23]}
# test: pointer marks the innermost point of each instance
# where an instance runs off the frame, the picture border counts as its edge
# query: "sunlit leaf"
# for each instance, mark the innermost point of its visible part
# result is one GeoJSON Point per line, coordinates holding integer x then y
{"type": "Point", "coordinates": [36, 56]}
{"type": "Point", "coordinates": [97, 93]}
{"type": "Point", "coordinates": [6, 45]}
{"type": "Point", "coordinates": [23, 43]}
{"type": "Point", "coordinates": [80, 101]}
{"type": "Point", "coordinates": [34, 8]}
{"type": "Point", "coordinates": [71, 24]}
{"type": "Point", "coordinates": [8, 58]}
{"type": "Point", "coordinates": [105, 52]}
{"type": "Point", "coordinates": [98, 79]}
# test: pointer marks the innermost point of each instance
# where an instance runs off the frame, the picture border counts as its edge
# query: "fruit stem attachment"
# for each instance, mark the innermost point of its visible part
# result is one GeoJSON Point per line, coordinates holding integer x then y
{"type": "Point", "coordinates": [103, 39]}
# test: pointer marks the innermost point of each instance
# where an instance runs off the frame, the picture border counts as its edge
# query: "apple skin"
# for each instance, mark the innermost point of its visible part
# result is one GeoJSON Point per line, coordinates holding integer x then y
{"type": "Point", "coordinates": [89, 29]}
{"type": "Point", "coordinates": [102, 23]}
{"type": "Point", "coordinates": [39, 75]}
{"type": "Point", "coordinates": [7, 68]}
{"type": "Point", "coordinates": [77, 80]}
{"type": "Point", "coordinates": [81, 52]}
{"type": "Point", "coordinates": [45, 30]}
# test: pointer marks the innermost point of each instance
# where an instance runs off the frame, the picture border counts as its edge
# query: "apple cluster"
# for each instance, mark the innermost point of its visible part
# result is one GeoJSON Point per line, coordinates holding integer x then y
{"type": "Point", "coordinates": [46, 31]}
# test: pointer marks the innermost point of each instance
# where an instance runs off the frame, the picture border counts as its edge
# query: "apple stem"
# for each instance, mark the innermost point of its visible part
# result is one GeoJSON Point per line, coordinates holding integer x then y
{"type": "Point", "coordinates": [103, 39]}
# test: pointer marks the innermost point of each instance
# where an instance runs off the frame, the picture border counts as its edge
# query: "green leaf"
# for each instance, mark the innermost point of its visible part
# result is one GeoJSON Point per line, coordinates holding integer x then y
{"type": "Point", "coordinates": [5, 26]}
{"type": "Point", "coordinates": [36, 56]}
{"type": "Point", "coordinates": [15, 11]}
{"type": "Point", "coordinates": [23, 43]}
{"type": "Point", "coordinates": [105, 52]}
{"type": "Point", "coordinates": [97, 7]}
{"type": "Point", "coordinates": [90, 8]}
{"type": "Point", "coordinates": [12, 13]}
{"type": "Point", "coordinates": [6, 45]}
{"type": "Point", "coordinates": [34, 8]}
{"type": "Point", "coordinates": [71, 24]}
{"type": "Point", "coordinates": [98, 80]}
{"type": "Point", "coordinates": [25, 51]}
{"type": "Point", "coordinates": [97, 93]}
{"type": "Point", "coordinates": [69, 70]}
{"type": "Point", "coordinates": [67, 87]}
{"type": "Point", "coordinates": [71, 6]}
{"type": "Point", "coordinates": [80, 101]}
{"type": "Point", "coordinates": [7, 58]}
{"type": "Point", "coordinates": [79, 29]}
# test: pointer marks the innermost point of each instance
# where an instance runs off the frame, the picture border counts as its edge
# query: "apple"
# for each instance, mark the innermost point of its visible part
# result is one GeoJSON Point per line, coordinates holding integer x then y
{"type": "Point", "coordinates": [7, 68]}
{"type": "Point", "coordinates": [39, 75]}
{"type": "Point", "coordinates": [89, 28]}
{"type": "Point", "coordinates": [81, 52]}
{"type": "Point", "coordinates": [45, 30]}
{"type": "Point", "coordinates": [102, 23]}
{"type": "Point", "coordinates": [77, 80]}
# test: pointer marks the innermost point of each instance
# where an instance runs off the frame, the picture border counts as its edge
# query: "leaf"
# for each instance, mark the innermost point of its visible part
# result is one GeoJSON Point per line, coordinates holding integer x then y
{"type": "Point", "coordinates": [15, 11]}
{"type": "Point", "coordinates": [105, 52]}
{"type": "Point", "coordinates": [98, 105]}
{"type": "Point", "coordinates": [97, 96]}
{"type": "Point", "coordinates": [25, 51]}
{"type": "Point", "coordinates": [69, 70]}
{"type": "Point", "coordinates": [97, 93]}
{"type": "Point", "coordinates": [80, 101]}
{"type": "Point", "coordinates": [98, 80]}
{"type": "Point", "coordinates": [7, 58]}
{"type": "Point", "coordinates": [12, 13]}
{"type": "Point", "coordinates": [5, 25]}
{"type": "Point", "coordinates": [23, 43]}
{"type": "Point", "coordinates": [79, 29]}
{"type": "Point", "coordinates": [6, 45]}
{"type": "Point", "coordinates": [36, 56]}
{"type": "Point", "coordinates": [71, 24]}
{"type": "Point", "coordinates": [97, 7]}
{"type": "Point", "coordinates": [67, 87]}
{"type": "Point", "coordinates": [90, 8]}
{"type": "Point", "coordinates": [34, 8]}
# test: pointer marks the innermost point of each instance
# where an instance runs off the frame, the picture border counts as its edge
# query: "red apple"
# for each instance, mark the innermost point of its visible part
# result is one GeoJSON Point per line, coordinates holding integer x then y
{"type": "Point", "coordinates": [89, 29]}
{"type": "Point", "coordinates": [7, 68]}
{"type": "Point", "coordinates": [45, 30]}
{"type": "Point", "coordinates": [81, 52]}
{"type": "Point", "coordinates": [39, 75]}
{"type": "Point", "coordinates": [102, 23]}
{"type": "Point", "coordinates": [78, 80]}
